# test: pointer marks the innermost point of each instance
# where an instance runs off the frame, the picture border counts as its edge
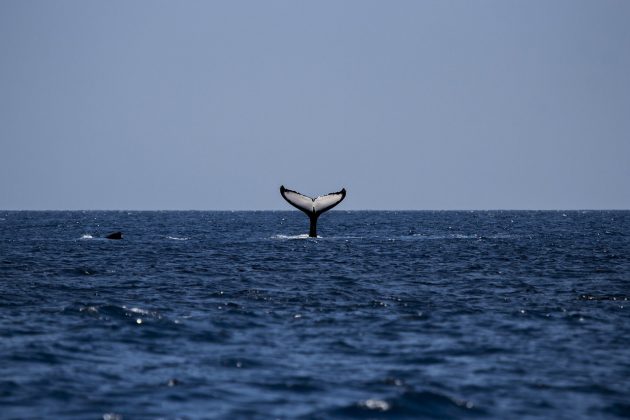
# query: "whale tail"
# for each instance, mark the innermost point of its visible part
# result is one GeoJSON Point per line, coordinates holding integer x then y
{"type": "Point", "coordinates": [313, 207]}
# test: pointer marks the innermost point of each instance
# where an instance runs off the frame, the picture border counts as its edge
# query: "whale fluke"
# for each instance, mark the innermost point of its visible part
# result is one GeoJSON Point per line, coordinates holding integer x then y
{"type": "Point", "coordinates": [114, 235]}
{"type": "Point", "coordinates": [313, 207]}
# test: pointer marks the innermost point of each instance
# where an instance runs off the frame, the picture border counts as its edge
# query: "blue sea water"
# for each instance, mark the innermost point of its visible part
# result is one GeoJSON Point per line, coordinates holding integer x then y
{"type": "Point", "coordinates": [497, 314]}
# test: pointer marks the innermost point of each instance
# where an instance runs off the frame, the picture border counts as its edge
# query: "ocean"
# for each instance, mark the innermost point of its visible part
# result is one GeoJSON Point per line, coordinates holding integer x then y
{"type": "Point", "coordinates": [421, 314]}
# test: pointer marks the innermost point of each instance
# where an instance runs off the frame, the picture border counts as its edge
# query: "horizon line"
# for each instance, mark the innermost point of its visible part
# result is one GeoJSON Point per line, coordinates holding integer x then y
{"type": "Point", "coordinates": [334, 210]}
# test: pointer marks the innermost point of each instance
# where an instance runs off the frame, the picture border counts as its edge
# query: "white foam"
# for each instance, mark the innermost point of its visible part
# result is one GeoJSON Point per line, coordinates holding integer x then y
{"type": "Point", "coordinates": [302, 236]}
{"type": "Point", "coordinates": [461, 236]}
{"type": "Point", "coordinates": [86, 236]}
{"type": "Point", "coordinates": [374, 404]}
{"type": "Point", "coordinates": [137, 310]}
{"type": "Point", "coordinates": [175, 238]}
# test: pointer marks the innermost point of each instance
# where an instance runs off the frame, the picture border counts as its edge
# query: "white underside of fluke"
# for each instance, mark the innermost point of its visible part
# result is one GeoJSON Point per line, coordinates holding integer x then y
{"type": "Point", "coordinates": [313, 205]}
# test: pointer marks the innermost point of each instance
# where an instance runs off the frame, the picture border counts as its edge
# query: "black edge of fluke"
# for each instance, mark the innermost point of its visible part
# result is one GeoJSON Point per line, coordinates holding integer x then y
{"type": "Point", "coordinates": [115, 235]}
{"type": "Point", "coordinates": [315, 207]}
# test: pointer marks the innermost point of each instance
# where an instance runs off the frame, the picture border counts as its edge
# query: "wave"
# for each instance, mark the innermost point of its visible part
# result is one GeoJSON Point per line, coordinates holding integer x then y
{"type": "Point", "coordinates": [412, 237]}
{"type": "Point", "coordinates": [410, 403]}
{"type": "Point", "coordinates": [460, 236]}
{"type": "Point", "coordinates": [177, 238]}
{"type": "Point", "coordinates": [305, 236]}
{"type": "Point", "coordinates": [133, 314]}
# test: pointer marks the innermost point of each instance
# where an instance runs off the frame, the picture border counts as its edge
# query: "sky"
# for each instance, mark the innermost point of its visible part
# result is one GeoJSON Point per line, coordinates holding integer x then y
{"type": "Point", "coordinates": [212, 105]}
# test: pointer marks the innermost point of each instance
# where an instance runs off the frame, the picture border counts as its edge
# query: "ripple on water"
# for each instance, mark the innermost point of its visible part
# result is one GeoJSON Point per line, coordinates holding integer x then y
{"type": "Point", "coordinates": [505, 314]}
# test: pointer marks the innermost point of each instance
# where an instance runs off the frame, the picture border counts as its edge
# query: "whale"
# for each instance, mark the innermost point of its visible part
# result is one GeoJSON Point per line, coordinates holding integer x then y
{"type": "Point", "coordinates": [114, 235]}
{"type": "Point", "coordinates": [312, 207]}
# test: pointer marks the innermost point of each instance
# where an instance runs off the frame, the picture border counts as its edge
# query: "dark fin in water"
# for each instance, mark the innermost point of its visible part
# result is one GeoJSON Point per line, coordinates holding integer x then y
{"type": "Point", "coordinates": [115, 235]}
{"type": "Point", "coordinates": [313, 207]}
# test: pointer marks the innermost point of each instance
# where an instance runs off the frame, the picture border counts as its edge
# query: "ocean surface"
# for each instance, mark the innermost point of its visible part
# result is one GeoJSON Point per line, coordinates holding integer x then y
{"type": "Point", "coordinates": [484, 314]}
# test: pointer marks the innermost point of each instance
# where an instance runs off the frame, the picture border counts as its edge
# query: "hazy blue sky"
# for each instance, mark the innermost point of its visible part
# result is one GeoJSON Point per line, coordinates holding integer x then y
{"type": "Point", "coordinates": [408, 104]}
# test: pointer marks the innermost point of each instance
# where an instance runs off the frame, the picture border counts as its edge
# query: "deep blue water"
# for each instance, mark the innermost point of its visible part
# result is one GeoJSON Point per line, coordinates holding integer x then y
{"type": "Point", "coordinates": [495, 314]}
